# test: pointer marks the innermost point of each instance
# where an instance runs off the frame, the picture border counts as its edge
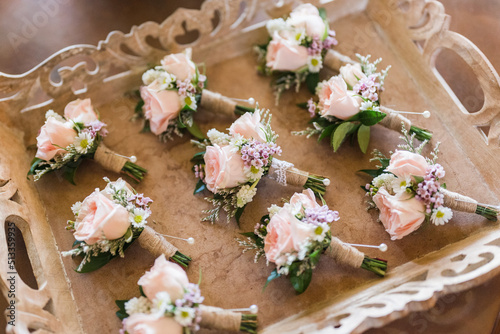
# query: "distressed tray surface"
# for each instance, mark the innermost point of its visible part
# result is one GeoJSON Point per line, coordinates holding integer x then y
{"type": "Point", "coordinates": [424, 265]}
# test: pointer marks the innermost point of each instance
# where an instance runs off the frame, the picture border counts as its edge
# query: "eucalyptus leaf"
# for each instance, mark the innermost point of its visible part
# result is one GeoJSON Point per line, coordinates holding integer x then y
{"type": "Point", "coordinates": [363, 137]}
{"type": "Point", "coordinates": [274, 274]}
{"type": "Point", "coordinates": [327, 131]}
{"type": "Point", "coordinates": [238, 214]}
{"type": "Point", "coordinates": [312, 81]}
{"type": "Point", "coordinates": [121, 313]}
{"type": "Point", "coordinates": [302, 105]}
{"type": "Point", "coordinates": [340, 134]}
{"type": "Point", "coordinates": [302, 281]}
{"type": "Point", "coordinates": [195, 131]}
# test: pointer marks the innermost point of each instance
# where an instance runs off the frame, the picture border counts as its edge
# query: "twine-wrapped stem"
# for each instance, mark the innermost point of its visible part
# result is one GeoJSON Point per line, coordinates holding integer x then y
{"type": "Point", "coordinates": [286, 174]}
{"type": "Point", "coordinates": [220, 319]}
{"type": "Point", "coordinates": [345, 254]}
{"type": "Point", "coordinates": [218, 103]}
{"type": "Point", "coordinates": [109, 159]}
{"type": "Point", "coordinates": [394, 120]}
{"type": "Point", "coordinates": [459, 202]}
{"type": "Point", "coordinates": [155, 243]}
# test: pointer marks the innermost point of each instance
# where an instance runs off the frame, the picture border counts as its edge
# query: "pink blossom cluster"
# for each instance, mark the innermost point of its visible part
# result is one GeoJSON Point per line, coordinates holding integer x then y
{"type": "Point", "coordinates": [96, 127]}
{"type": "Point", "coordinates": [317, 45]}
{"type": "Point", "coordinates": [201, 80]}
{"type": "Point", "coordinates": [140, 200]}
{"type": "Point", "coordinates": [311, 107]}
{"type": "Point", "coordinates": [257, 154]}
{"type": "Point", "coordinates": [321, 215]}
{"type": "Point", "coordinates": [368, 87]}
{"type": "Point", "coordinates": [198, 172]}
{"type": "Point", "coordinates": [185, 87]}
{"type": "Point", "coordinates": [428, 190]}
{"type": "Point", "coordinates": [192, 296]}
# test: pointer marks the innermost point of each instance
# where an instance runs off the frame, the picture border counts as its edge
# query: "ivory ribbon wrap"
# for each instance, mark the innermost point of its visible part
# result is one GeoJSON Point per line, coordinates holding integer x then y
{"type": "Point", "coordinates": [464, 203]}
{"type": "Point", "coordinates": [285, 174]}
{"type": "Point", "coordinates": [218, 318]}
{"type": "Point", "coordinates": [345, 254]}
{"type": "Point", "coordinates": [217, 103]}
{"type": "Point", "coordinates": [155, 243]}
{"type": "Point", "coordinates": [108, 159]}
{"type": "Point", "coordinates": [335, 60]}
{"type": "Point", "coordinates": [393, 120]}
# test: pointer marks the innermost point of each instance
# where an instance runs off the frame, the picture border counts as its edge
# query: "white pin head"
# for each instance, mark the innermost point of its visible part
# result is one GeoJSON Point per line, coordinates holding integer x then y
{"type": "Point", "coordinates": [251, 101]}
{"type": "Point", "coordinates": [133, 159]}
{"type": "Point", "coordinates": [254, 309]}
{"type": "Point", "coordinates": [382, 247]}
{"type": "Point", "coordinates": [190, 241]}
{"type": "Point", "coordinates": [426, 114]}
{"type": "Point", "coordinates": [326, 182]}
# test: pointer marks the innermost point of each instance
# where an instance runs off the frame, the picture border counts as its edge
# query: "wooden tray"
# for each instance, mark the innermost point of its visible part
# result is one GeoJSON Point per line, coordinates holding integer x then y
{"type": "Point", "coordinates": [425, 265]}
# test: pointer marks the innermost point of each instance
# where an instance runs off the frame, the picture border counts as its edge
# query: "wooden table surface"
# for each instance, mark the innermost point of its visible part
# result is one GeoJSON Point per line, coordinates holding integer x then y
{"type": "Point", "coordinates": [32, 30]}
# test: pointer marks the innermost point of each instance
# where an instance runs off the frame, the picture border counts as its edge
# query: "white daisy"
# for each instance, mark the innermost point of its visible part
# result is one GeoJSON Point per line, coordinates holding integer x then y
{"type": "Point", "coordinates": [83, 142]}
{"type": "Point", "coordinates": [441, 215]}
{"type": "Point", "coordinates": [189, 100]}
{"type": "Point", "coordinates": [76, 208]}
{"type": "Point", "coordinates": [314, 63]}
{"type": "Point", "coordinates": [253, 173]}
{"type": "Point", "coordinates": [400, 184]}
{"type": "Point", "coordinates": [161, 303]}
{"type": "Point", "coordinates": [166, 80]}
{"type": "Point", "coordinates": [138, 217]}
{"type": "Point", "coordinates": [299, 35]}
{"type": "Point", "coordinates": [184, 316]}
{"type": "Point", "coordinates": [320, 232]}
{"type": "Point", "coordinates": [366, 105]}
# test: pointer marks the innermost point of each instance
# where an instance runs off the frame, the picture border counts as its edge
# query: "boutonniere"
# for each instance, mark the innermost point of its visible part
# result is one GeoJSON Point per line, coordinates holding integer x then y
{"type": "Point", "coordinates": [65, 141]}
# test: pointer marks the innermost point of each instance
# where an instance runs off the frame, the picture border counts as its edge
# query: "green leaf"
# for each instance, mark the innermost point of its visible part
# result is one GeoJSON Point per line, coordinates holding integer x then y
{"type": "Point", "coordinates": [322, 13]}
{"type": "Point", "coordinates": [300, 282]}
{"type": "Point", "coordinates": [312, 81]}
{"type": "Point", "coordinates": [314, 257]}
{"type": "Point", "coordinates": [138, 108]}
{"type": "Point", "coordinates": [340, 134]}
{"type": "Point", "coordinates": [195, 131]}
{"type": "Point", "coordinates": [418, 179]}
{"type": "Point", "coordinates": [443, 186]}
{"type": "Point", "coordinates": [271, 277]}
{"type": "Point", "coordinates": [69, 170]}
{"type": "Point", "coordinates": [141, 291]}
{"type": "Point", "coordinates": [370, 117]}
{"type": "Point", "coordinates": [121, 313]}
{"type": "Point", "coordinates": [327, 131]}
{"type": "Point", "coordinates": [238, 214]}
{"type": "Point", "coordinates": [146, 128]}
{"type": "Point", "coordinates": [363, 137]}
{"type": "Point", "coordinates": [302, 105]}
{"type": "Point", "coordinates": [34, 165]}
{"type": "Point", "coordinates": [200, 186]}
{"type": "Point", "coordinates": [372, 172]}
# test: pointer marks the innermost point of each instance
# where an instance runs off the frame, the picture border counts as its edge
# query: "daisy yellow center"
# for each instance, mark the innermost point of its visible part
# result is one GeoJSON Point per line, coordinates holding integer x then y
{"type": "Point", "coordinates": [318, 230]}
{"type": "Point", "coordinates": [138, 219]}
{"type": "Point", "coordinates": [254, 170]}
{"type": "Point", "coordinates": [314, 62]}
{"type": "Point", "coordinates": [297, 37]}
{"type": "Point", "coordinates": [84, 143]}
{"type": "Point", "coordinates": [402, 184]}
{"type": "Point", "coordinates": [185, 314]}
{"type": "Point", "coordinates": [187, 100]}
{"type": "Point", "coordinates": [439, 214]}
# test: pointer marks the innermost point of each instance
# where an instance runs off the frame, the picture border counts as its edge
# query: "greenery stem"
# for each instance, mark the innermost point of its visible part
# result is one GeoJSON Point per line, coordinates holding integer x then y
{"type": "Point", "coordinates": [181, 259]}
{"type": "Point", "coordinates": [420, 134]}
{"type": "Point", "coordinates": [377, 266]}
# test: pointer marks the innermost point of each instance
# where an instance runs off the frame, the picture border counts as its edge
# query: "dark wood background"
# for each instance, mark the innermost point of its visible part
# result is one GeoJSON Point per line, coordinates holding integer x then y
{"type": "Point", "coordinates": [32, 30]}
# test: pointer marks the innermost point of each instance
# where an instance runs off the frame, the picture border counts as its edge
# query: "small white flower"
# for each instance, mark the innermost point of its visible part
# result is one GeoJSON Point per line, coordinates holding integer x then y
{"type": "Point", "coordinates": [276, 25]}
{"type": "Point", "coordinates": [83, 142]}
{"type": "Point", "coordinates": [314, 63]}
{"type": "Point", "coordinates": [366, 105]}
{"type": "Point", "coordinates": [304, 248]}
{"type": "Point", "coordinates": [320, 86]}
{"type": "Point", "coordinates": [319, 233]}
{"type": "Point", "coordinates": [149, 76]}
{"type": "Point", "coordinates": [400, 184]}
{"type": "Point", "coordinates": [189, 100]}
{"type": "Point", "coordinates": [299, 35]}
{"type": "Point", "coordinates": [253, 173]}
{"type": "Point", "coordinates": [385, 179]}
{"type": "Point", "coordinates": [273, 210]}
{"type": "Point", "coordinates": [218, 138]}
{"type": "Point", "coordinates": [76, 208]}
{"type": "Point", "coordinates": [245, 195]}
{"type": "Point", "coordinates": [161, 303]}
{"type": "Point", "coordinates": [290, 259]}
{"type": "Point", "coordinates": [137, 305]}
{"type": "Point", "coordinates": [184, 316]}
{"type": "Point", "coordinates": [138, 217]}
{"type": "Point", "coordinates": [441, 215]}
{"type": "Point", "coordinates": [52, 113]}
{"type": "Point", "coordinates": [166, 80]}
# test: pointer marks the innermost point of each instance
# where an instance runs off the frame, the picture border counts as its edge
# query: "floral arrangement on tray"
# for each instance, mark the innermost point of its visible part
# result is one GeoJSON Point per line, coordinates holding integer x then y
{"type": "Point", "coordinates": [172, 93]}
{"type": "Point", "coordinates": [349, 104]}
{"type": "Point", "coordinates": [65, 141]}
{"type": "Point", "coordinates": [294, 236]}
{"type": "Point", "coordinates": [232, 165]}
{"type": "Point", "coordinates": [295, 51]}
{"type": "Point", "coordinates": [108, 221]}
{"type": "Point", "coordinates": [170, 304]}
{"type": "Point", "coordinates": [407, 191]}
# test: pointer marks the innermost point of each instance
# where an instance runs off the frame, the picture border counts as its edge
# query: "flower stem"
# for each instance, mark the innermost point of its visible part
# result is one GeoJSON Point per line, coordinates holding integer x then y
{"type": "Point", "coordinates": [240, 110]}
{"type": "Point", "coordinates": [181, 259]}
{"type": "Point", "coordinates": [249, 323]}
{"type": "Point", "coordinates": [377, 266]}
{"type": "Point", "coordinates": [487, 212]}
{"type": "Point", "coordinates": [316, 184]}
{"type": "Point", "coordinates": [420, 134]}
{"type": "Point", "coordinates": [136, 172]}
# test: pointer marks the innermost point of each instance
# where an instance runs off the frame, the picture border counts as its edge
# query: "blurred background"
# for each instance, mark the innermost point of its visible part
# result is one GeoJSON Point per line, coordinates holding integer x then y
{"type": "Point", "coordinates": [32, 30]}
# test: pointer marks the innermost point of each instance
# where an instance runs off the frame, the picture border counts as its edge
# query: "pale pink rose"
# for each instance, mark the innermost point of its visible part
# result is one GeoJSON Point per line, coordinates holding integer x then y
{"type": "Point", "coordinates": [249, 126]}
{"type": "Point", "coordinates": [164, 276]}
{"type": "Point", "coordinates": [141, 323]}
{"type": "Point", "coordinates": [180, 65]}
{"type": "Point", "coordinates": [307, 17]}
{"type": "Point", "coordinates": [54, 132]}
{"type": "Point", "coordinates": [405, 164]}
{"type": "Point", "coordinates": [305, 199]}
{"type": "Point", "coordinates": [224, 168]}
{"type": "Point", "coordinates": [336, 100]}
{"type": "Point", "coordinates": [100, 217]}
{"type": "Point", "coordinates": [352, 73]}
{"type": "Point", "coordinates": [279, 239]}
{"type": "Point", "coordinates": [285, 55]}
{"type": "Point", "coordinates": [400, 214]}
{"type": "Point", "coordinates": [80, 111]}
{"type": "Point", "coordinates": [160, 106]}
